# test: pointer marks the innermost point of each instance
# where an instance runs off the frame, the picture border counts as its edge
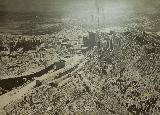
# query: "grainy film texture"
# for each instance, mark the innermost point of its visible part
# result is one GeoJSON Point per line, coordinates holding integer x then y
{"type": "Point", "coordinates": [79, 57]}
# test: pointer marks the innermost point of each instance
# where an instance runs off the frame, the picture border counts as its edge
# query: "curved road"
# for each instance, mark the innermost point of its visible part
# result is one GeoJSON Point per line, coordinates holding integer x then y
{"type": "Point", "coordinates": [18, 93]}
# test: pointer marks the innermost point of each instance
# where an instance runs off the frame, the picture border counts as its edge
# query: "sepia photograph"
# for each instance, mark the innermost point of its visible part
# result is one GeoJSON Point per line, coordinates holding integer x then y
{"type": "Point", "coordinates": [79, 57]}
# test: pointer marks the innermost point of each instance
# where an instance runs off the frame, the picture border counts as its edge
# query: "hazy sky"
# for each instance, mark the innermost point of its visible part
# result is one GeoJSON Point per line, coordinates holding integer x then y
{"type": "Point", "coordinates": [79, 5]}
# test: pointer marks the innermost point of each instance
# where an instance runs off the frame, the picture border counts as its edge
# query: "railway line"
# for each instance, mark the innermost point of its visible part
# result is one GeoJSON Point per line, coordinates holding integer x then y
{"type": "Point", "coordinates": [15, 94]}
{"type": "Point", "coordinates": [7, 85]}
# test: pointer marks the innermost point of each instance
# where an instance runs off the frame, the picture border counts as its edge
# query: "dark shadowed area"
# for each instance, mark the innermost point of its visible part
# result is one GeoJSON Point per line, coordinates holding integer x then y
{"type": "Point", "coordinates": [79, 57]}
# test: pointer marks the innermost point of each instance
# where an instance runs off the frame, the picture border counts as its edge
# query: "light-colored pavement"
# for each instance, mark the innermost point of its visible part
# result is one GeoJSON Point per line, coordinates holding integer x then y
{"type": "Point", "coordinates": [19, 93]}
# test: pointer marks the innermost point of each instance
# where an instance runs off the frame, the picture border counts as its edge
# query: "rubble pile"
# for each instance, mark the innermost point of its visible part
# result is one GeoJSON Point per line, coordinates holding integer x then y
{"type": "Point", "coordinates": [118, 77]}
{"type": "Point", "coordinates": [25, 54]}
